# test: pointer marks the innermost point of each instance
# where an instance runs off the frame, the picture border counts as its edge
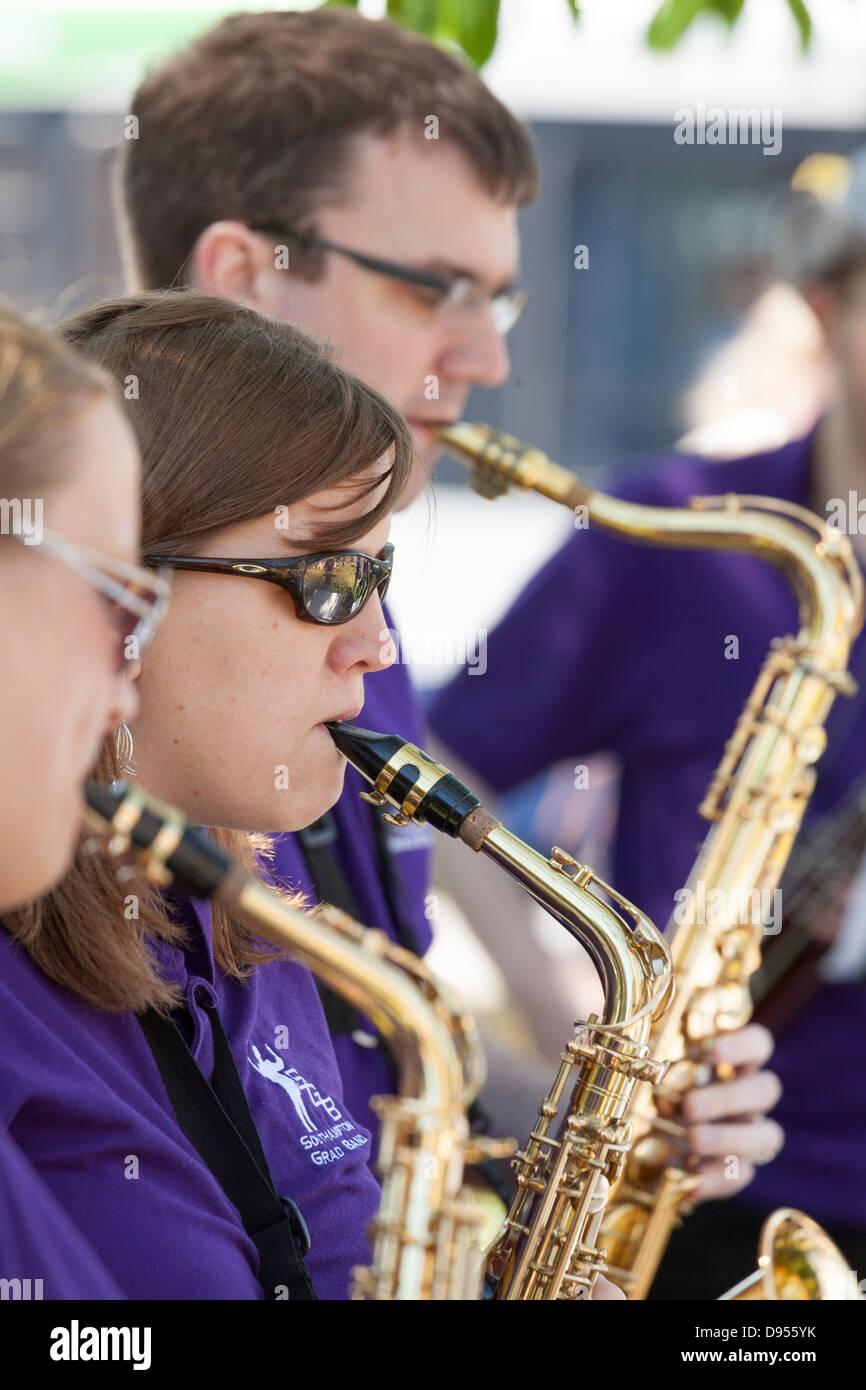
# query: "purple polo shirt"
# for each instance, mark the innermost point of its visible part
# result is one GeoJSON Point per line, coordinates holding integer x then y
{"type": "Point", "coordinates": [82, 1098]}
{"type": "Point", "coordinates": [399, 907]}
{"type": "Point", "coordinates": [621, 647]}
{"type": "Point", "coordinates": [39, 1246]}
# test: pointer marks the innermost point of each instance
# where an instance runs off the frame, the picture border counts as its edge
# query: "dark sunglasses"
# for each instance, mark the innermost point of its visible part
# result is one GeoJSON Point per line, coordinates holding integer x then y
{"type": "Point", "coordinates": [330, 588]}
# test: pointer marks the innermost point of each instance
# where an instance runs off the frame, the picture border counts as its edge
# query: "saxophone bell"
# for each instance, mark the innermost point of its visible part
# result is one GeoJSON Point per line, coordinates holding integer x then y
{"type": "Point", "coordinates": [797, 1262]}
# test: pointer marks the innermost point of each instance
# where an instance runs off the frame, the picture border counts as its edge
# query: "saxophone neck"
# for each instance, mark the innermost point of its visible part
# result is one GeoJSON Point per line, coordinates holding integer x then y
{"type": "Point", "coordinates": [814, 555]}
{"type": "Point", "coordinates": [633, 960]}
{"type": "Point", "coordinates": [632, 957]}
{"type": "Point", "coordinates": [498, 462]}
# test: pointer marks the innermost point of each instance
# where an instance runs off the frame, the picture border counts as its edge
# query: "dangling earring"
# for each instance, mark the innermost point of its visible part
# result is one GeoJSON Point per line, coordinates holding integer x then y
{"type": "Point", "coordinates": [123, 751]}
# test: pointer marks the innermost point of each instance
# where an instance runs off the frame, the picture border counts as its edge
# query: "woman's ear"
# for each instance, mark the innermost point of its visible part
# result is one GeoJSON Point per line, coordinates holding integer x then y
{"type": "Point", "coordinates": [133, 669]}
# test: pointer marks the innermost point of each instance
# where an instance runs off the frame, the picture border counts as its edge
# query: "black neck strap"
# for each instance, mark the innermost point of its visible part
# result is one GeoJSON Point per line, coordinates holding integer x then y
{"type": "Point", "coordinates": [331, 886]}
{"type": "Point", "coordinates": [218, 1122]}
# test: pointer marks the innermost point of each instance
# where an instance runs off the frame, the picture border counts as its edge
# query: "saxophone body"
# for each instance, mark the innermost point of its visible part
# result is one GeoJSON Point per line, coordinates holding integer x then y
{"type": "Point", "coordinates": [548, 1247]}
{"type": "Point", "coordinates": [426, 1234]}
{"type": "Point", "coordinates": [755, 803]}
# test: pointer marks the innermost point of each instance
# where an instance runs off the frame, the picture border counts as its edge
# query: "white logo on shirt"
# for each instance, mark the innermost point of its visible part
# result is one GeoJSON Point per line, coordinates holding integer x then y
{"type": "Point", "coordinates": [304, 1094]}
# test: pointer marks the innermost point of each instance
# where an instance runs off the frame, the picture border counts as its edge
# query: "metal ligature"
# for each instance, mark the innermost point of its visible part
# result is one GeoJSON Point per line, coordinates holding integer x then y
{"type": "Point", "coordinates": [548, 1246]}
{"type": "Point", "coordinates": [755, 803]}
{"type": "Point", "coordinates": [424, 1234]}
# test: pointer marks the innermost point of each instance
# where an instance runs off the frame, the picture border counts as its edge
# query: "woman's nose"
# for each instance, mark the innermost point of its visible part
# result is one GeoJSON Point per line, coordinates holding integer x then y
{"type": "Point", "coordinates": [366, 641]}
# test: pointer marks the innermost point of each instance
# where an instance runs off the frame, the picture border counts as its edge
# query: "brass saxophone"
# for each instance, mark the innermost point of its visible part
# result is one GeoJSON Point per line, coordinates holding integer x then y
{"type": "Point", "coordinates": [426, 1228]}
{"type": "Point", "coordinates": [548, 1246]}
{"type": "Point", "coordinates": [755, 802]}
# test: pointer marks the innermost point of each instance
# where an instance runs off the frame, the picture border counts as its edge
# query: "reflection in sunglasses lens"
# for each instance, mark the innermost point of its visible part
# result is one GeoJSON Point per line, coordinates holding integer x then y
{"type": "Point", "coordinates": [335, 588]}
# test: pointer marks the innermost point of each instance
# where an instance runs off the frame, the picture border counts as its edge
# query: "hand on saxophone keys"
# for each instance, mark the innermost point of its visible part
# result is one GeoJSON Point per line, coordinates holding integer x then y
{"type": "Point", "coordinates": [729, 1119]}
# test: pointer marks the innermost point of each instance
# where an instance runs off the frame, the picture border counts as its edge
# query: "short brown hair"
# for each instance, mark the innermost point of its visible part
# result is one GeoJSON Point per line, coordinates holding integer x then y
{"type": "Point", "coordinates": [255, 121]}
{"type": "Point", "coordinates": [235, 414]}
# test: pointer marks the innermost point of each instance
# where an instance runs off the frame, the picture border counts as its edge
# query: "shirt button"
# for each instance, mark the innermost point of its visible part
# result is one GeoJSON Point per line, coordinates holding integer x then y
{"type": "Point", "coordinates": [200, 992]}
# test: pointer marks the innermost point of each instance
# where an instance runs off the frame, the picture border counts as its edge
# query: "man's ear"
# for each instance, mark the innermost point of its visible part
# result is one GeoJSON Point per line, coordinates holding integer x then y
{"type": "Point", "coordinates": [226, 261]}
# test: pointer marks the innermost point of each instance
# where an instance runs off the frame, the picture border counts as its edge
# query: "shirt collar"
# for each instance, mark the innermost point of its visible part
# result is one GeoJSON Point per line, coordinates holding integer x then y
{"type": "Point", "coordinates": [195, 956]}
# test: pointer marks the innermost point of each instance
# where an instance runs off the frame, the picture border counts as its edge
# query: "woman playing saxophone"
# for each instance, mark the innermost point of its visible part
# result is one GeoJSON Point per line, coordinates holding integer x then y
{"type": "Point", "coordinates": [256, 452]}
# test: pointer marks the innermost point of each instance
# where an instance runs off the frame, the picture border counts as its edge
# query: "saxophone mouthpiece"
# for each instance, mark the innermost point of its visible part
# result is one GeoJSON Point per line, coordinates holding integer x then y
{"type": "Point", "coordinates": [405, 778]}
{"type": "Point", "coordinates": [464, 439]}
{"type": "Point", "coordinates": [127, 819]}
{"type": "Point", "coordinates": [367, 751]}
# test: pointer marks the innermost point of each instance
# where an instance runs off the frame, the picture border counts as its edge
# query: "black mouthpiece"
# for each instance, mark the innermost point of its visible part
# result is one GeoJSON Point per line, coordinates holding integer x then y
{"type": "Point", "coordinates": [446, 801]}
{"type": "Point", "coordinates": [197, 865]}
{"type": "Point", "coordinates": [105, 798]}
{"type": "Point", "coordinates": [367, 751]}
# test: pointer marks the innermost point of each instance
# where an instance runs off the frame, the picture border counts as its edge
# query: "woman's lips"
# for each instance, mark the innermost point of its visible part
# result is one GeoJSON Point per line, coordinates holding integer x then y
{"type": "Point", "coordinates": [343, 718]}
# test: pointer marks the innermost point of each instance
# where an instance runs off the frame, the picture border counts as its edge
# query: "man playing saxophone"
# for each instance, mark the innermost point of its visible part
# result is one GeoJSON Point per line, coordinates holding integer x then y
{"type": "Point", "coordinates": [680, 637]}
{"type": "Point", "coordinates": [404, 251]}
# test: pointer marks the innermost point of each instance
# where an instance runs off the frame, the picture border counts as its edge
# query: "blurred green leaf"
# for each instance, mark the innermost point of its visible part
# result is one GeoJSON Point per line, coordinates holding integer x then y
{"type": "Point", "coordinates": [472, 25]}
{"type": "Point", "coordinates": [446, 27]}
{"type": "Point", "coordinates": [728, 9]}
{"type": "Point", "coordinates": [477, 29]}
{"type": "Point", "coordinates": [671, 21]}
{"type": "Point", "coordinates": [804, 22]}
{"type": "Point", "coordinates": [419, 15]}
{"type": "Point", "coordinates": [673, 18]}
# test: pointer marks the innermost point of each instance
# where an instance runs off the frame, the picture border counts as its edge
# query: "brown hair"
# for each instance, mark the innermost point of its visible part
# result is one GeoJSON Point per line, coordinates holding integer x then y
{"type": "Point", "coordinates": [235, 415]}
{"type": "Point", "coordinates": [256, 119]}
{"type": "Point", "coordinates": [44, 385]}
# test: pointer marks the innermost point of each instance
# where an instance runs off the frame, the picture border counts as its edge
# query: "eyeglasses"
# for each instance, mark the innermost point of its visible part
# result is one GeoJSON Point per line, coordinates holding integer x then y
{"type": "Point", "coordinates": [136, 600]}
{"type": "Point", "coordinates": [330, 588]}
{"type": "Point", "coordinates": [458, 294]}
